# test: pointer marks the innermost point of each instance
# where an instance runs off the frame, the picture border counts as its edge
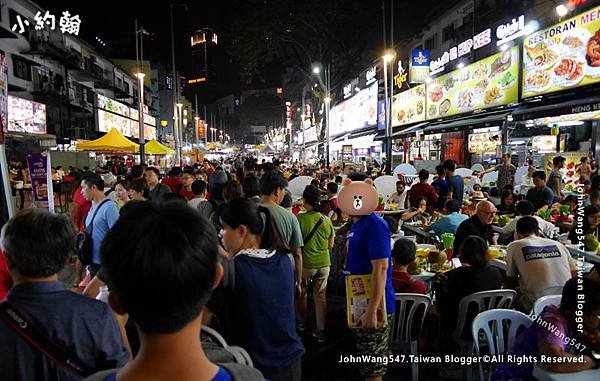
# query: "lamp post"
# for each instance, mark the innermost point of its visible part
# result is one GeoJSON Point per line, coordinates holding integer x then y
{"type": "Point", "coordinates": [175, 86]}
{"type": "Point", "coordinates": [387, 58]}
{"type": "Point", "coordinates": [178, 123]}
{"type": "Point", "coordinates": [140, 77]}
{"type": "Point", "coordinates": [327, 87]}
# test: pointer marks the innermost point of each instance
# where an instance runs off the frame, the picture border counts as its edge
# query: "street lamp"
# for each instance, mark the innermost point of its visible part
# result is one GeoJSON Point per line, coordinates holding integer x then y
{"type": "Point", "coordinates": [327, 87]}
{"type": "Point", "coordinates": [387, 58]}
{"type": "Point", "coordinates": [140, 77]}
{"type": "Point", "coordinates": [562, 10]}
{"type": "Point", "coordinates": [175, 85]}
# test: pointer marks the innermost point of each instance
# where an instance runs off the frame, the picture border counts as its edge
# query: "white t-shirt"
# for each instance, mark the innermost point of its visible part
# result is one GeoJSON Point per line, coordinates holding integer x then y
{"type": "Point", "coordinates": [545, 226]}
{"type": "Point", "coordinates": [195, 202]}
{"type": "Point", "coordinates": [541, 263]}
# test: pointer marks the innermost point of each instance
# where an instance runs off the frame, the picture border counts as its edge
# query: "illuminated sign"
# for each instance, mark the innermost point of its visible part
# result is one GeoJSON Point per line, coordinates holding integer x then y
{"type": "Point", "coordinates": [401, 77]}
{"type": "Point", "coordinates": [371, 75]}
{"type": "Point", "coordinates": [196, 80]}
{"type": "Point", "coordinates": [480, 40]}
{"type": "Point", "coordinates": [26, 116]}
{"type": "Point", "coordinates": [419, 66]}
{"type": "Point", "coordinates": [510, 31]}
{"type": "Point", "coordinates": [68, 24]}
{"type": "Point", "coordinates": [279, 90]}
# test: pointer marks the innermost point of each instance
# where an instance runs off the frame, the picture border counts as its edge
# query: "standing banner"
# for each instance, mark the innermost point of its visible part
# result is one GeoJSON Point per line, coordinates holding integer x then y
{"type": "Point", "coordinates": [41, 180]}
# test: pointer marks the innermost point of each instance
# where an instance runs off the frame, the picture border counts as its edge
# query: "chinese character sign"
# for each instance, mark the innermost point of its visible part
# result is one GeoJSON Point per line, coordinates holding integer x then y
{"type": "Point", "coordinates": [41, 181]}
{"type": "Point", "coordinates": [67, 23]}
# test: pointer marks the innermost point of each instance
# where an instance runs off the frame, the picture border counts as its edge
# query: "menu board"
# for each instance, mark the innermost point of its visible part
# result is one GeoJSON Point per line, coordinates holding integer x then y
{"type": "Point", "coordinates": [108, 120]}
{"type": "Point", "coordinates": [409, 106]}
{"type": "Point", "coordinates": [543, 143]}
{"type": "Point", "coordinates": [125, 119]}
{"type": "Point", "coordinates": [564, 56]}
{"type": "Point", "coordinates": [484, 142]}
{"type": "Point", "coordinates": [487, 83]}
{"type": "Point", "coordinates": [26, 116]}
{"type": "Point", "coordinates": [355, 113]}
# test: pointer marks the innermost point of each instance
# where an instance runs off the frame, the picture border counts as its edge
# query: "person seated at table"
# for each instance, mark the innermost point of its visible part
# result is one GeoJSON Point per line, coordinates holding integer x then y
{"type": "Point", "coordinates": [540, 194]}
{"type": "Point", "coordinates": [527, 180]}
{"type": "Point", "coordinates": [474, 275]}
{"type": "Point", "coordinates": [591, 222]}
{"type": "Point", "coordinates": [507, 203]}
{"type": "Point", "coordinates": [452, 219]}
{"type": "Point", "coordinates": [399, 196]}
{"type": "Point", "coordinates": [418, 213]}
{"type": "Point", "coordinates": [535, 263]}
{"type": "Point", "coordinates": [403, 254]}
{"type": "Point", "coordinates": [541, 340]}
{"type": "Point", "coordinates": [480, 224]}
{"type": "Point", "coordinates": [571, 201]}
{"type": "Point", "coordinates": [423, 190]}
{"type": "Point", "coordinates": [477, 189]}
{"type": "Point", "coordinates": [525, 208]}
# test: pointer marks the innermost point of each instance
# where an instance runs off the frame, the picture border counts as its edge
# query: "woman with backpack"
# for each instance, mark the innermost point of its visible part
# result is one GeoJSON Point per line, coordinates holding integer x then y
{"type": "Point", "coordinates": [318, 235]}
{"type": "Point", "coordinates": [261, 282]}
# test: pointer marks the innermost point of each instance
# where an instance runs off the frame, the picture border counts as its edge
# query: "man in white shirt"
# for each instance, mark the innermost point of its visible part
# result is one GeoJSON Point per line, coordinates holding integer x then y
{"type": "Point", "coordinates": [522, 209]}
{"type": "Point", "coordinates": [538, 262]}
{"type": "Point", "coordinates": [399, 197]}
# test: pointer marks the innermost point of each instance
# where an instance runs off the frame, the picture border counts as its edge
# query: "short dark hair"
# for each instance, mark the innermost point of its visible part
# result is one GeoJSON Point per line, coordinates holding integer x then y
{"type": "Point", "coordinates": [594, 194]}
{"type": "Point", "coordinates": [539, 175]}
{"type": "Point", "coordinates": [584, 159]}
{"type": "Point", "coordinates": [94, 179]}
{"type": "Point", "coordinates": [155, 170]}
{"type": "Point", "coordinates": [38, 243]}
{"type": "Point", "coordinates": [162, 286]}
{"type": "Point", "coordinates": [268, 167]}
{"type": "Point", "coordinates": [358, 176]}
{"type": "Point", "coordinates": [232, 190]}
{"type": "Point", "coordinates": [250, 165]}
{"type": "Point", "coordinates": [271, 181]}
{"type": "Point", "coordinates": [172, 198]}
{"type": "Point", "coordinates": [452, 206]}
{"type": "Point", "coordinates": [339, 179]}
{"type": "Point", "coordinates": [570, 295]}
{"type": "Point", "coordinates": [199, 187]}
{"type": "Point", "coordinates": [287, 200]}
{"type": "Point", "coordinates": [404, 252]}
{"type": "Point", "coordinates": [332, 187]}
{"type": "Point", "coordinates": [175, 171]}
{"type": "Point", "coordinates": [527, 225]}
{"type": "Point", "coordinates": [423, 174]}
{"type": "Point", "coordinates": [558, 159]}
{"type": "Point", "coordinates": [439, 169]}
{"type": "Point", "coordinates": [477, 254]}
{"type": "Point", "coordinates": [251, 186]}
{"type": "Point", "coordinates": [449, 165]}
{"type": "Point", "coordinates": [140, 186]}
{"type": "Point", "coordinates": [312, 196]}
{"type": "Point", "coordinates": [524, 208]}
{"type": "Point", "coordinates": [392, 224]}
{"type": "Point", "coordinates": [573, 198]}
{"type": "Point", "coordinates": [137, 171]}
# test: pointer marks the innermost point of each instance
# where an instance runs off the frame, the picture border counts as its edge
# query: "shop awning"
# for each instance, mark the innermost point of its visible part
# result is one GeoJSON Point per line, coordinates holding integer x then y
{"type": "Point", "coordinates": [483, 120]}
{"type": "Point", "coordinates": [572, 106]}
{"type": "Point", "coordinates": [361, 133]}
{"type": "Point", "coordinates": [113, 141]}
{"type": "Point", "coordinates": [339, 138]}
{"type": "Point", "coordinates": [410, 130]}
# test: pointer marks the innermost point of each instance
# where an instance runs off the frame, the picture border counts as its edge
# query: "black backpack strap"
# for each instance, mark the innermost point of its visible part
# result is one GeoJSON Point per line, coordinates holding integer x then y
{"type": "Point", "coordinates": [40, 342]}
{"type": "Point", "coordinates": [314, 230]}
{"type": "Point", "coordinates": [91, 225]}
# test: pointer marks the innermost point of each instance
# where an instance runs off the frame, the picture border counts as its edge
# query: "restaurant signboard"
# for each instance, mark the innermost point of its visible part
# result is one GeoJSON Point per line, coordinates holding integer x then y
{"type": "Point", "coordinates": [408, 106]}
{"type": "Point", "coordinates": [26, 116]}
{"type": "Point", "coordinates": [490, 82]}
{"type": "Point", "coordinates": [40, 174]}
{"type": "Point", "coordinates": [565, 56]}
{"type": "Point", "coordinates": [357, 112]}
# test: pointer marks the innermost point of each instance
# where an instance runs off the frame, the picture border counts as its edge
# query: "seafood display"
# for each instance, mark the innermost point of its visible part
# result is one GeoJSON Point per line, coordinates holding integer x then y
{"type": "Point", "coordinates": [483, 84]}
{"type": "Point", "coordinates": [560, 57]}
{"type": "Point", "coordinates": [409, 106]}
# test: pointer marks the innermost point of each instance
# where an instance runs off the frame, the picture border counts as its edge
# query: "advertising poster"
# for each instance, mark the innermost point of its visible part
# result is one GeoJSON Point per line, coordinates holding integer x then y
{"type": "Point", "coordinates": [41, 180]}
{"type": "Point", "coordinates": [543, 143]}
{"type": "Point", "coordinates": [570, 175]}
{"type": "Point", "coordinates": [381, 115]}
{"type": "Point", "coordinates": [347, 153]}
{"type": "Point", "coordinates": [564, 56]}
{"type": "Point", "coordinates": [358, 294]}
{"type": "Point", "coordinates": [419, 66]}
{"type": "Point", "coordinates": [3, 94]}
{"type": "Point", "coordinates": [26, 116]}
{"type": "Point", "coordinates": [487, 83]}
{"type": "Point", "coordinates": [484, 142]}
{"type": "Point", "coordinates": [355, 113]}
{"type": "Point", "coordinates": [409, 106]}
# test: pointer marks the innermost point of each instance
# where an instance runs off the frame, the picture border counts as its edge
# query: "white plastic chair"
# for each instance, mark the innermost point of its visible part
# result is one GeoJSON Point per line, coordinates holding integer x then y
{"type": "Point", "coordinates": [483, 301]}
{"type": "Point", "coordinates": [488, 177]}
{"type": "Point", "coordinates": [405, 169]}
{"type": "Point", "coordinates": [554, 290]}
{"type": "Point", "coordinates": [477, 167]}
{"type": "Point", "coordinates": [463, 172]}
{"type": "Point", "coordinates": [544, 301]}
{"type": "Point", "coordinates": [521, 171]}
{"type": "Point", "coordinates": [499, 264]}
{"type": "Point", "coordinates": [407, 324]}
{"type": "Point", "coordinates": [386, 186]}
{"type": "Point", "coordinates": [500, 328]}
{"type": "Point", "coordinates": [297, 185]}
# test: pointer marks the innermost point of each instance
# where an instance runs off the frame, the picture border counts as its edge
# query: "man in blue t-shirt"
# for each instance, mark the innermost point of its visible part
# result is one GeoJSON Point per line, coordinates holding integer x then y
{"type": "Point", "coordinates": [369, 252]}
{"type": "Point", "coordinates": [442, 188]}
{"type": "Point", "coordinates": [457, 184]}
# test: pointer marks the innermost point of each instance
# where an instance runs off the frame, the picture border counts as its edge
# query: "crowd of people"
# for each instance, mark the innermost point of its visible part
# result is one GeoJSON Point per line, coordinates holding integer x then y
{"type": "Point", "coordinates": [225, 245]}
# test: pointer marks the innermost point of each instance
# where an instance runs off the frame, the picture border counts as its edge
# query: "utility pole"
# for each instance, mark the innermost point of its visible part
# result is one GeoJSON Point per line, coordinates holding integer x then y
{"type": "Point", "coordinates": [175, 85]}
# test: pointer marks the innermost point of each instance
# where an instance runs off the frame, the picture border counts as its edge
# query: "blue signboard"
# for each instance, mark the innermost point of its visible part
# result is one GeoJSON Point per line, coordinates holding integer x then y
{"type": "Point", "coordinates": [420, 58]}
{"type": "Point", "coordinates": [381, 115]}
{"type": "Point", "coordinates": [419, 66]}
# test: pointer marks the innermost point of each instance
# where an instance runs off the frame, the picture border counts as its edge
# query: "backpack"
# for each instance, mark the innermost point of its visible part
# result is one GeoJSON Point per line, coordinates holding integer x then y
{"type": "Point", "coordinates": [84, 245]}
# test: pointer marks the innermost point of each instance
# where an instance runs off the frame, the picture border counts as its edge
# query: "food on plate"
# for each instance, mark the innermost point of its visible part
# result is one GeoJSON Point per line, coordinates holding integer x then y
{"type": "Point", "coordinates": [570, 69]}
{"type": "Point", "coordinates": [590, 243]}
{"type": "Point", "coordinates": [410, 114]}
{"type": "Point", "coordinates": [570, 173]}
{"type": "Point", "coordinates": [400, 115]}
{"type": "Point", "coordinates": [420, 107]}
{"type": "Point", "coordinates": [541, 55]}
{"type": "Point", "coordinates": [491, 95]}
{"type": "Point", "coordinates": [506, 80]}
{"type": "Point", "coordinates": [572, 42]}
{"type": "Point", "coordinates": [449, 82]}
{"type": "Point", "coordinates": [538, 79]}
{"type": "Point", "coordinates": [436, 93]}
{"type": "Point", "coordinates": [432, 110]}
{"type": "Point", "coordinates": [503, 220]}
{"type": "Point", "coordinates": [422, 252]}
{"type": "Point", "coordinates": [480, 71]}
{"type": "Point", "coordinates": [593, 50]}
{"type": "Point", "coordinates": [465, 75]}
{"type": "Point", "coordinates": [481, 85]}
{"type": "Point", "coordinates": [465, 98]}
{"type": "Point", "coordinates": [441, 267]}
{"type": "Point", "coordinates": [436, 257]}
{"type": "Point", "coordinates": [570, 166]}
{"type": "Point", "coordinates": [500, 64]}
{"type": "Point", "coordinates": [445, 106]}
{"type": "Point", "coordinates": [420, 91]}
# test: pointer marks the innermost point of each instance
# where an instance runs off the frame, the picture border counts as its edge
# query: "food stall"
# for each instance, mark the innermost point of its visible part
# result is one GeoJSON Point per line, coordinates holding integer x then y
{"type": "Point", "coordinates": [485, 145]}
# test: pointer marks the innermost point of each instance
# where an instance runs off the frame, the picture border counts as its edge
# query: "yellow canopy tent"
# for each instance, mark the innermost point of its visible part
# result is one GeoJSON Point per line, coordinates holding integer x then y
{"type": "Point", "coordinates": [113, 141]}
{"type": "Point", "coordinates": [153, 147]}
